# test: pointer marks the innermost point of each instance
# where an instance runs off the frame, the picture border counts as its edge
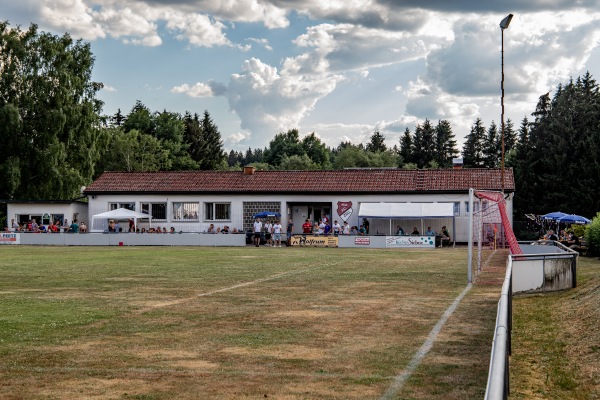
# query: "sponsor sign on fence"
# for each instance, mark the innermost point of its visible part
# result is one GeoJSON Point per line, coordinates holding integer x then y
{"type": "Point", "coordinates": [362, 241]}
{"type": "Point", "coordinates": [10, 238]}
{"type": "Point", "coordinates": [315, 241]}
{"type": "Point", "coordinates": [410, 241]}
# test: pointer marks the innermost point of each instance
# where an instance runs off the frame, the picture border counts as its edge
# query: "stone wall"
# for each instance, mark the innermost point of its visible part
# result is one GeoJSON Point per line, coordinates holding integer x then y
{"type": "Point", "coordinates": [250, 208]}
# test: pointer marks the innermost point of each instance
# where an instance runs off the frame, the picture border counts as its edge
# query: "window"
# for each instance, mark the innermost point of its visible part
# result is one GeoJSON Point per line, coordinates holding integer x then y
{"type": "Point", "coordinates": [217, 211]}
{"type": "Point", "coordinates": [467, 211]}
{"type": "Point", "coordinates": [114, 206]}
{"type": "Point", "coordinates": [185, 211]}
{"type": "Point", "coordinates": [457, 208]}
{"type": "Point", "coordinates": [157, 210]}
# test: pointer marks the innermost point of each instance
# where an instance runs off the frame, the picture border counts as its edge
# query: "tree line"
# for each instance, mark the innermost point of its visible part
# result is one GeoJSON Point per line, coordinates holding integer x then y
{"type": "Point", "coordinates": [56, 139]}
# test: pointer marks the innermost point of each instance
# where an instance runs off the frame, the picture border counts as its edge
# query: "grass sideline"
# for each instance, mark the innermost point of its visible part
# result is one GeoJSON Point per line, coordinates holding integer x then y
{"type": "Point", "coordinates": [236, 323]}
{"type": "Point", "coordinates": [556, 340]}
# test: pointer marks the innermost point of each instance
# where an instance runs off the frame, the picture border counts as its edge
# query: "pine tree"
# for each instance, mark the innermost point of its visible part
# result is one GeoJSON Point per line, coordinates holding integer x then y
{"type": "Point", "coordinates": [213, 153]}
{"type": "Point", "coordinates": [377, 143]}
{"type": "Point", "coordinates": [473, 148]}
{"type": "Point", "coordinates": [406, 147]}
{"type": "Point", "coordinates": [445, 145]}
{"type": "Point", "coordinates": [492, 147]}
{"type": "Point", "coordinates": [424, 144]}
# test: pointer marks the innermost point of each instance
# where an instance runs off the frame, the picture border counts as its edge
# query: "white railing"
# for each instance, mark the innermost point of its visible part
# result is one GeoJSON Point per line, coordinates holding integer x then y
{"type": "Point", "coordinates": [498, 379]}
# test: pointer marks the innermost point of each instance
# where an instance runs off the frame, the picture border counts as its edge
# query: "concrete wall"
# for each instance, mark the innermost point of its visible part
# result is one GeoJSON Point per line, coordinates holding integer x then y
{"type": "Point", "coordinates": [544, 274]}
{"type": "Point", "coordinates": [131, 239]}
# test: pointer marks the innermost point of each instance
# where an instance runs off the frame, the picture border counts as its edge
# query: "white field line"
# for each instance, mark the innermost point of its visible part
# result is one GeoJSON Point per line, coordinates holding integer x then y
{"type": "Point", "coordinates": [399, 381]}
{"type": "Point", "coordinates": [226, 289]}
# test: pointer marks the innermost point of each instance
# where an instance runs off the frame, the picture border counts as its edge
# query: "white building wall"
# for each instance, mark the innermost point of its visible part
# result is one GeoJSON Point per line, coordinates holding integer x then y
{"type": "Point", "coordinates": [100, 203]}
{"type": "Point", "coordinates": [70, 211]}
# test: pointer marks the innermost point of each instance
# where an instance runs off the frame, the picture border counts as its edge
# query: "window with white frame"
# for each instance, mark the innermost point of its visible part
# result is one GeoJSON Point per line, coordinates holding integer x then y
{"type": "Point", "coordinates": [457, 208]}
{"type": "Point", "coordinates": [217, 211]}
{"type": "Point", "coordinates": [185, 211]}
{"type": "Point", "coordinates": [157, 210]}
{"type": "Point", "coordinates": [114, 206]}
{"type": "Point", "coordinates": [467, 210]}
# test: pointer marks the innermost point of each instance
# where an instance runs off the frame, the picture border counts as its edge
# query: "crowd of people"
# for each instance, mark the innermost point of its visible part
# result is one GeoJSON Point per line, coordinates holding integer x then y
{"type": "Point", "coordinates": [52, 227]}
{"type": "Point", "coordinates": [566, 237]}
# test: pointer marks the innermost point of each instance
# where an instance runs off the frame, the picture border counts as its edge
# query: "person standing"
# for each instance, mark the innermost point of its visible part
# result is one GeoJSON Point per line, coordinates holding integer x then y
{"type": "Point", "coordinates": [306, 229]}
{"type": "Point", "coordinates": [277, 234]}
{"type": "Point", "coordinates": [366, 226]}
{"type": "Point", "coordinates": [337, 229]}
{"type": "Point", "coordinates": [268, 232]}
{"type": "Point", "coordinates": [74, 227]}
{"type": "Point", "coordinates": [257, 229]}
{"type": "Point", "coordinates": [289, 230]}
{"type": "Point", "coordinates": [346, 228]}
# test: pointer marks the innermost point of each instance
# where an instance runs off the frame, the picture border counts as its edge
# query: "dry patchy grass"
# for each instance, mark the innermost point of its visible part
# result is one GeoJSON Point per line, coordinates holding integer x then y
{"type": "Point", "coordinates": [146, 323]}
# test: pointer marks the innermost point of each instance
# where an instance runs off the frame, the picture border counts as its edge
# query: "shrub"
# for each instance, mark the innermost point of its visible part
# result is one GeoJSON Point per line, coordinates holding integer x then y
{"type": "Point", "coordinates": [592, 236]}
{"type": "Point", "coordinates": [579, 230]}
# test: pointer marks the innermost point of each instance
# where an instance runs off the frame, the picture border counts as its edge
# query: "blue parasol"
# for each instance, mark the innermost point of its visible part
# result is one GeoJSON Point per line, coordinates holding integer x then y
{"type": "Point", "coordinates": [573, 219]}
{"type": "Point", "coordinates": [267, 214]}
{"type": "Point", "coordinates": [554, 216]}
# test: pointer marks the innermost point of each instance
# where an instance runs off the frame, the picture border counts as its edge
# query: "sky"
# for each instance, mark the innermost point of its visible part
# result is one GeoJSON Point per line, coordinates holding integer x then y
{"type": "Point", "coordinates": [339, 68]}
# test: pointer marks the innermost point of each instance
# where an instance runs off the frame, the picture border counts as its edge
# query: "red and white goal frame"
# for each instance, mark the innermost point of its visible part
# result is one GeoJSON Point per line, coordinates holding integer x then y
{"type": "Point", "coordinates": [489, 227]}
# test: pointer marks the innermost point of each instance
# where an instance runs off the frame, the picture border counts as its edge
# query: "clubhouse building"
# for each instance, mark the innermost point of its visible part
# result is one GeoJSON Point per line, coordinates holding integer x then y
{"type": "Point", "coordinates": [190, 201]}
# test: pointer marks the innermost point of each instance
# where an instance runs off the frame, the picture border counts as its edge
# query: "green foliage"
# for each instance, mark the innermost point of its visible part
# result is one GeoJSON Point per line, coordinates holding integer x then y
{"type": "Point", "coordinates": [377, 143]}
{"type": "Point", "coordinates": [579, 230]}
{"type": "Point", "coordinates": [352, 156]}
{"type": "Point", "coordinates": [592, 236]}
{"type": "Point", "coordinates": [295, 162]}
{"type": "Point", "coordinates": [283, 144]}
{"type": "Point", "coordinates": [558, 157]}
{"type": "Point", "coordinates": [48, 115]}
{"type": "Point", "coordinates": [473, 148]}
{"type": "Point", "coordinates": [132, 151]}
{"type": "Point", "coordinates": [316, 152]}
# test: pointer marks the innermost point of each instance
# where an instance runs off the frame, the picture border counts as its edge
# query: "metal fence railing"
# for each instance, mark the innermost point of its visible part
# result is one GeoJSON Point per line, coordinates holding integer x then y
{"type": "Point", "coordinates": [498, 379]}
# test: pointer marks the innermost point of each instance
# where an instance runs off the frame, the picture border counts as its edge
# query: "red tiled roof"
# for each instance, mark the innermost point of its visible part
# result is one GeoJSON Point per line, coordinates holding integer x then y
{"type": "Point", "coordinates": [350, 180]}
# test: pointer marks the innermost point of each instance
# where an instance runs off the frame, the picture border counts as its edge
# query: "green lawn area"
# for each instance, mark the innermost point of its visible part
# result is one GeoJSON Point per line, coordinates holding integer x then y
{"type": "Point", "coordinates": [556, 340]}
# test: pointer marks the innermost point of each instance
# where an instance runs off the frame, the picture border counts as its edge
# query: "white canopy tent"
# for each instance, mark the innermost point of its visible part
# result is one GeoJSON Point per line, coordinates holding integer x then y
{"type": "Point", "coordinates": [407, 211]}
{"type": "Point", "coordinates": [118, 214]}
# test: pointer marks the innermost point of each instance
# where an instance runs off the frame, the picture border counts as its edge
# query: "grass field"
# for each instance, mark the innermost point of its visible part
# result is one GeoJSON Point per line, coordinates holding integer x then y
{"type": "Point", "coordinates": [238, 323]}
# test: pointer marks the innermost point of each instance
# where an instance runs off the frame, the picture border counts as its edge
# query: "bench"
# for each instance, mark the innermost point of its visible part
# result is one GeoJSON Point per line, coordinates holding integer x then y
{"type": "Point", "coordinates": [582, 248]}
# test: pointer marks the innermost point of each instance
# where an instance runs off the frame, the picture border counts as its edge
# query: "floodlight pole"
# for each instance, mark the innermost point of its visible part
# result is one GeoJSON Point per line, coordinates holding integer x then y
{"type": "Point", "coordinates": [503, 25]}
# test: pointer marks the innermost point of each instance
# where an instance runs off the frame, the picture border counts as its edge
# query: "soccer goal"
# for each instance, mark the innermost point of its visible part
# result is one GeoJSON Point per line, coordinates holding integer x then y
{"type": "Point", "coordinates": [489, 229]}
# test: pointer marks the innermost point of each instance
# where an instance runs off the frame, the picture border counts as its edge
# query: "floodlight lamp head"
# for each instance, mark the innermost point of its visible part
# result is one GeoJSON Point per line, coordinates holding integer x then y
{"type": "Point", "coordinates": [506, 21]}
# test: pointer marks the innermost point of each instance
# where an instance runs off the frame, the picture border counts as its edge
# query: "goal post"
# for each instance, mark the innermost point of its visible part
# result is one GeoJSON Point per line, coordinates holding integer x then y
{"type": "Point", "coordinates": [489, 228]}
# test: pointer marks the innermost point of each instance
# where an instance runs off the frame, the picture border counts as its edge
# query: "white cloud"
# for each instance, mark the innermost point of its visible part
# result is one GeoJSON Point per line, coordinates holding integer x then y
{"type": "Point", "coordinates": [268, 101]}
{"type": "Point", "coordinates": [109, 88]}
{"type": "Point", "coordinates": [236, 138]}
{"type": "Point", "coordinates": [201, 89]}
{"type": "Point", "coordinates": [198, 29]}
{"type": "Point", "coordinates": [72, 16]}
{"type": "Point", "coordinates": [198, 90]}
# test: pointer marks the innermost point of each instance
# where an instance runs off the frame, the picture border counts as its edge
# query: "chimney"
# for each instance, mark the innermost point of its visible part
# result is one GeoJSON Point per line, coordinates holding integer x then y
{"type": "Point", "coordinates": [249, 170]}
{"type": "Point", "coordinates": [457, 163]}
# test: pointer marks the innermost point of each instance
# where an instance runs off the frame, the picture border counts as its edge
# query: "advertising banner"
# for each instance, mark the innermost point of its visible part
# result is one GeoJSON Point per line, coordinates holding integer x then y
{"type": "Point", "coordinates": [315, 241]}
{"type": "Point", "coordinates": [362, 241]}
{"type": "Point", "coordinates": [10, 238]}
{"type": "Point", "coordinates": [410, 241]}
